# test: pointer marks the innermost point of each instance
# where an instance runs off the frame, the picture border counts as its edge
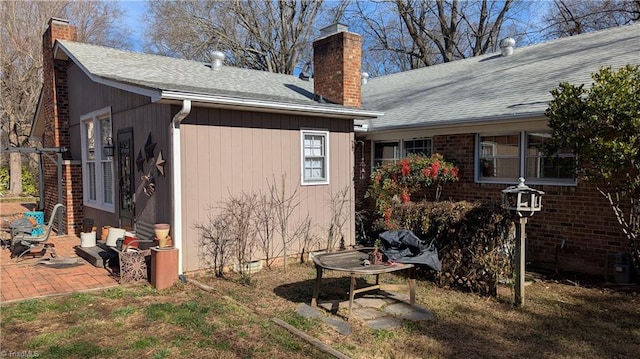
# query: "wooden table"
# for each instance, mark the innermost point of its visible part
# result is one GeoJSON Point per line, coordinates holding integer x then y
{"type": "Point", "coordinates": [351, 261]}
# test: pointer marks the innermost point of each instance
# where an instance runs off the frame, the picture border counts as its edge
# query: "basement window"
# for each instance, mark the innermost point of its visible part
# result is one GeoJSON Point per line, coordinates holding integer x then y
{"type": "Point", "coordinates": [97, 166]}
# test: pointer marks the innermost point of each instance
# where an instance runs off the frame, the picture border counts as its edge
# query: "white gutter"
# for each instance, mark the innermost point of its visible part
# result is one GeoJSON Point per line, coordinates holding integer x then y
{"type": "Point", "coordinates": [177, 179]}
{"type": "Point", "coordinates": [340, 111]}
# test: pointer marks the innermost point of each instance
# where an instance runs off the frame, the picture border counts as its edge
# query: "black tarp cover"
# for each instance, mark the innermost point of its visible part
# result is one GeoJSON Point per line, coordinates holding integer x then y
{"type": "Point", "coordinates": [403, 246]}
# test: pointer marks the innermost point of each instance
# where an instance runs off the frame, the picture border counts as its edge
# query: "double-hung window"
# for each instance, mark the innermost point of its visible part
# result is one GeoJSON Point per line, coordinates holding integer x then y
{"type": "Point", "coordinates": [97, 163]}
{"type": "Point", "coordinates": [315, 157]}
{"type": "Point", "coordinates": [503, 158]}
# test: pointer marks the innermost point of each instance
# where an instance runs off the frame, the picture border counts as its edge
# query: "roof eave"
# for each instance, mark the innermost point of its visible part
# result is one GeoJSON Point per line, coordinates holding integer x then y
{"type": "Point", "coordinates": [266, 106]}
{"type": "Point", "coordinates": [462, 122]}
{"type": "Point", "coordinates": [62, 53]}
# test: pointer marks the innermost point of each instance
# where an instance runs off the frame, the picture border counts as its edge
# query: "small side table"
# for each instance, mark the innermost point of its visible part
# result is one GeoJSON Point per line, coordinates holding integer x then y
{"type": "Point", "coordinates": [164, 267]}
{"type": "Point", "coordinates": [133, 265]}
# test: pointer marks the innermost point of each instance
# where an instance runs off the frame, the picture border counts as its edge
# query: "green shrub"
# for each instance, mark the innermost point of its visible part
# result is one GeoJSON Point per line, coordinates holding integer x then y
{"type": "Point", "coordinates": [410, 177]}
{"type": "Point", "coordinates": [29, 181]}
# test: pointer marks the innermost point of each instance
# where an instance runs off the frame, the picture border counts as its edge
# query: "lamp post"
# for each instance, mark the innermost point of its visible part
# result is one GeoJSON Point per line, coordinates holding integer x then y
{"type": "Point", "coordinates": [524, 201]}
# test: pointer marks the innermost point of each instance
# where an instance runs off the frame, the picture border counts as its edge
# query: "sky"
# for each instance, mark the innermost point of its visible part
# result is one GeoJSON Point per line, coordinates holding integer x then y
{"type": "Point", "coordinates": [134, 11]}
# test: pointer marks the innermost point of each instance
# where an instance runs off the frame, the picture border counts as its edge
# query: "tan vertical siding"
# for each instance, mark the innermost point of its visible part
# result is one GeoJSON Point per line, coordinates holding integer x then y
{"type": "Point", "coordinates": [231, 152]}
{"type": "Point", "coordinates": [128, 111]}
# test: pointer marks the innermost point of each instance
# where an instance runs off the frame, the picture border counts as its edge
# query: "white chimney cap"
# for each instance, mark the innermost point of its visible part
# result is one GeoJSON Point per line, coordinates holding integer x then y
{"type": "Point", "coordinates": [333, 29]}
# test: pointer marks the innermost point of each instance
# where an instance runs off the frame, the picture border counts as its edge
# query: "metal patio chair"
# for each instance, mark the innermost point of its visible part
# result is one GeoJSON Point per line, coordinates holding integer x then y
{"type": "Point", "coordinates": [23, 243]}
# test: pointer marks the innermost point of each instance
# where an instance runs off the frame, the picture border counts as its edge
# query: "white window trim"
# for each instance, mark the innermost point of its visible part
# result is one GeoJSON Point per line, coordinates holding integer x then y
{"type": "Point", "coordinates": [99, 202]}
{"type": "Point", "coordinates": [303, 181]}
{"type": "Point", "coordinates": [522, 135]}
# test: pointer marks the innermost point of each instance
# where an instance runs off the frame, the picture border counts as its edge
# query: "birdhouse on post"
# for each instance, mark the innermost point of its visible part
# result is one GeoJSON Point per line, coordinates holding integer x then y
{"type": "Point", "coordinates": [524, 201]}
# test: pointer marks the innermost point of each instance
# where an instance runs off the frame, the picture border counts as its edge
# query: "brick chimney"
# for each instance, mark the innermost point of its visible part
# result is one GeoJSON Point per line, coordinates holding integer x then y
{"type": "Point", "coordinates": [55, 107]}
{"type": "Point", "coordinates": [337, 62]}
{"type": "Point", "coordinates": [55, 94]}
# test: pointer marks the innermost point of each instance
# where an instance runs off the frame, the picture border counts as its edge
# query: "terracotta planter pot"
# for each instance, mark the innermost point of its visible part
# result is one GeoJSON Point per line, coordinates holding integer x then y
{"type": "Point", "coordinates": [104, 233]}
{"type": "Point", "coordinates": [161, 230]}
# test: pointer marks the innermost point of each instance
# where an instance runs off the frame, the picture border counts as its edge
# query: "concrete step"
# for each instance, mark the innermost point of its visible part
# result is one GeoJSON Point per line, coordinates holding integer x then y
{"type": "Point", "coordinates": [99, 256]}
{"type": "Point", "coordinates": [102, 256]}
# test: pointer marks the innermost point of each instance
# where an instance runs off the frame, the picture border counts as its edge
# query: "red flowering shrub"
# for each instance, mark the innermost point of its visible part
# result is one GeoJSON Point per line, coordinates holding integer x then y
{"type": "Point", "coordinates": [408, 178]}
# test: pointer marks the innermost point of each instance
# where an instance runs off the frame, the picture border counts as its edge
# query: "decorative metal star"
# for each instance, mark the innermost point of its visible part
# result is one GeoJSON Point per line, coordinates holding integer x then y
{"type": "Point", "coordinates": [149, 147]}
{"type": "Point", "coordinates": [160, 162]}
{"type": "Point", "coordinates": [140, 162]}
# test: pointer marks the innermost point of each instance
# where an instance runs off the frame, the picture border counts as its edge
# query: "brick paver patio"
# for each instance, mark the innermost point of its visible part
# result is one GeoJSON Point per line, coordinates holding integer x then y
{"type": "Point", "coordinates": [26, 279]}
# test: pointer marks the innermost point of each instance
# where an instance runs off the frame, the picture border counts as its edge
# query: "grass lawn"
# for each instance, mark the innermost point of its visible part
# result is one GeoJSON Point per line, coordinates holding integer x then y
{"type": "Point", "coordinates": [558, 321]}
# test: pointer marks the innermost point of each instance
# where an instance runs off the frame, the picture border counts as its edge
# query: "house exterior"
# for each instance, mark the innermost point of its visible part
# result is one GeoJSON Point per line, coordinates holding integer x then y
{"type": "Point", "coordinates": [161, 140]}
{"type": "Point", "coordinates": [186, 135]}
{"type": "Point", "coordinates": [487, 115]}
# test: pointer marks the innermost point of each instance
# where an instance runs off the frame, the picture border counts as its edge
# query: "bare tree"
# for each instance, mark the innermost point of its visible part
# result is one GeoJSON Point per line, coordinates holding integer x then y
{"type": "Point", "coordinates": [263, 35]}
{"type": "Point", "coordinates": [573, 17]}
{"type": "Point", "coordinates": [305, 237]}
{"type": "Point", "coordinates": [240, 212]}
{"type": "Point", "coordinates": [339, 204]}
{"type": "Point", "coordinates": [215, 243]}
{"type": "Point", "coordinates": [23, 23]}
{"type": "Point", "coordinates": [417, 33]}
{"type": "Point", "coordinates": [265, 222]}
{"type": "Point", "coordinates": [284, 205]}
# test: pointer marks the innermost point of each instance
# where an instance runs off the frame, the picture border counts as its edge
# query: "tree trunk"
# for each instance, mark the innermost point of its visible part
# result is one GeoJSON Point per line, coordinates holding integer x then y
{"type": "Point", "coordinates": [15, 173]}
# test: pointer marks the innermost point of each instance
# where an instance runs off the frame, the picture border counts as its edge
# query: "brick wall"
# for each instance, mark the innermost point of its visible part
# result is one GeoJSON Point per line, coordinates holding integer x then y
{"type": "Point", "coordinates": [579, 216]}
{"type": "Point", "coordinates": [337, 62]}
{"type": "Point", "coordinates": [55, 106]}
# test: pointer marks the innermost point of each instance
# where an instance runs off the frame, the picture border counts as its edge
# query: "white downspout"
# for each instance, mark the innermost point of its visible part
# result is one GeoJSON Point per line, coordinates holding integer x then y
{"type": "Point", "coordinates": [177, 179]}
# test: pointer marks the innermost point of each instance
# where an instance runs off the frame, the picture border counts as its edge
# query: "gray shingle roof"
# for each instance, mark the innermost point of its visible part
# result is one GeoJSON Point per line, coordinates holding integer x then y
{"type": "Point", "coordinates": [171, 74]}
{"type": "Point", "coordinates": [481, 88]}
{"type": "Point", "coordinates": [491, 86]}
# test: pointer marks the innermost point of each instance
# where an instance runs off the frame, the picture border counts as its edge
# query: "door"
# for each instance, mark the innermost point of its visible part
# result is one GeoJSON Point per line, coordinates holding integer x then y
{"type": "Point", "coordinates": [125, 170]}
